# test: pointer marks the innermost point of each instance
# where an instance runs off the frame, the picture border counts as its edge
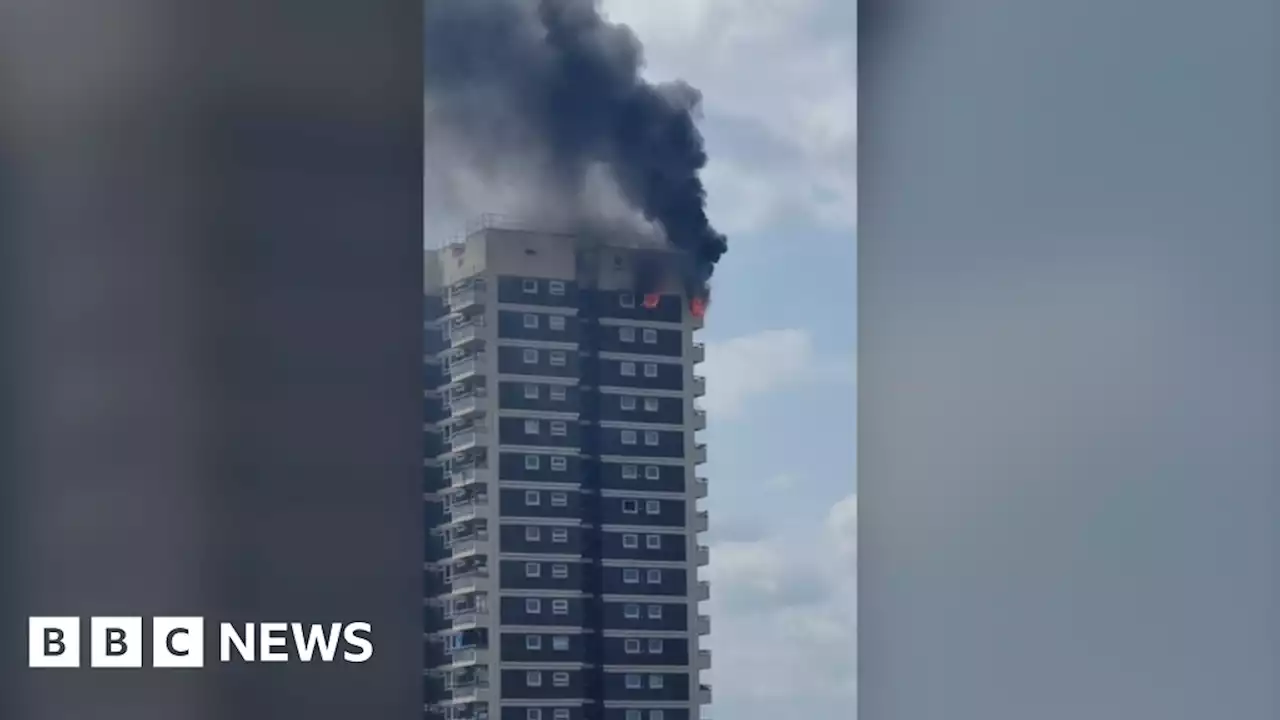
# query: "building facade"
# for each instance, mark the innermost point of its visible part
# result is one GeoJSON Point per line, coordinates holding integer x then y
{"type": "Point", "coordinates": [561, 486]}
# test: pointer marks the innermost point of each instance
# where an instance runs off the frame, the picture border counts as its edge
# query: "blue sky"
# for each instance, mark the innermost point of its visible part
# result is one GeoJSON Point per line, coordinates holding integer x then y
{"type": "Point", "coordinates": [779, 100]}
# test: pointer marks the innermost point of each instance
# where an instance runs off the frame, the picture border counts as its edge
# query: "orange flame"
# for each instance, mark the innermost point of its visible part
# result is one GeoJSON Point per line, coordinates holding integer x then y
{"type": "Point", "coordinates": [698, 307]}
{"type": "Point", "coordinates": [651, 300]}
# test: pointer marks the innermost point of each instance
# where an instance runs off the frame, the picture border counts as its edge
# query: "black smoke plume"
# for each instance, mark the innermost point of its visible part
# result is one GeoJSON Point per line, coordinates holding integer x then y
{"type": "Point", "coordinates": [543, 99]}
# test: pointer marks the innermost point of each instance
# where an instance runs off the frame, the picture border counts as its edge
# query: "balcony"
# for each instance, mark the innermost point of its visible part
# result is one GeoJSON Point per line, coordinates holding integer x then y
{"type": "Point", "coordinates": [699, 386]}
{"type": "Point", "coordinates": [701, 523]}
{"type": "Point", "coordinates": [464, 404]}
{"type": "Point", "coordinates": [471, 436]}
{"type": "Point", "coordinates": [465, 619]}
{"type": "Point", "coordinates": [464, 657]}
{"type": "Point", "coordinates": [698, 352]}
{"type": "Point", "coordinates": [704, 660]}
{"type": "Point", "coordinates": [704, 694]}
{"type": "Point", "coordinates": [467, 299]}
{"type": "Point", "coordinates": [700, 453]}
{"type": "Point", "coordinates": [466, 367]}
{"type": "Point", "coordinates": [699, 419]}
{"type": "Point", "coordinates": [464, 334]}
{"type": "Point", "coordinates": [703, 555]}
{"type": "Point", "coordinates": [704, 625]}
{"type": "Point", "coordinates": [468, 581]}
{"type": "Point", "coordinates": [470, 691]}
{"type": "Point", "coordinates": [704, 590]}
{"type": "Point", "coordinates": [467, 545]}
{"type": "Point", "coordinates": [699, 487]}
{"type": "Point", "coordinates": [467, 510]}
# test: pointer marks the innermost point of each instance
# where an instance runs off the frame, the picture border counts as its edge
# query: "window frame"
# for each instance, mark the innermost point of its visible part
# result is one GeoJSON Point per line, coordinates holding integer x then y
{"type": "Point", "coordinates": [558, 358]}
{"type": "Point", "coordinates": [555, 287]}
{"type": "Point", "coordinates": [653, 541]}
{"type": "Point", "coordinates": [626, 368]}
{"type": "Point", "coordinates": [651, 370]}
{"type": "Point", "coordinates": [536, 567]}
{"type": "Point", "coordinates": [655, 475]}
{"type": "Point", "coordinates": [653, 576]}
{"type": "Point", "coordinates": [630, 472]}
{"type": "Point", "coordinates": [533, 678]}
{"type": "Point", "coordinates": [556, 323]}
{"type": "Point", "coordinates": [530, 321]}
{"type": "Point", "coordinates": [630, 541]}
{"type": "Point", "coordinates": [529, 286]}
{"type": "Point", "coordinates": [532, 533]}
{"type": "Point", "coordinates": [529, 356]}
{"type": "Point", "coordinates": [535, 496]}
{"type": "Point", "coordinates": [630, 573]}
{"type": "Point", "coordinates": [532, 462]}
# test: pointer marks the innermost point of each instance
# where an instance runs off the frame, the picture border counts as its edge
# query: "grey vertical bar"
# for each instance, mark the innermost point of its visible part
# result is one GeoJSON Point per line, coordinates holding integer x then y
{"type": "Point", "coordinates": [214, 336]}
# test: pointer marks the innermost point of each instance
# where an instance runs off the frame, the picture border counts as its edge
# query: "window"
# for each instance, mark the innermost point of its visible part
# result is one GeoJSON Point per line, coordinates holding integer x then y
{"type": "Point", "coordinates": [533, 714]}
{"type": "Point", "coordinates": [555, 287]}
{"type": "Point", "coordinates": [655, 612]}
{"type": "Point", "coordinates": [650, 336]}
{"type": "Point", "coordinates": [533, 678]}
{"type": "Point", "coordinates": [651, 437]}
{"type": "Point", "coordinates": [630, 541]}
{"type": "Point", "coordinates": [652, 472]}
{"type": "Point", "coordinates": [532, 427]}
{"type": "Point", "coordinates": [559, 499]}
{"type": "Point", "coordinates": [529, 285]}
{"type": "Point", "coordinates": [630, 506]}
{"type": "Point", "coordinates": [631, 646]}
{"type": "Point", "coordinates": [560, 643]}
{"type": "Point", "coordinates": [559, 607]}
{"type": "Point", "coordinates": [559, 535]}
{"type": "Point", "coordinates": [530, 392]}
{"type": "Point", "coordinates": [560, 714]}
{"type": "Point", "coordinates": [532, 570]}
{"type": "Point", "coordinates": [655, 683]}
{"type": "Point", "coordinates": [532, 533]}
{"type": "Point", "coordinates": [628, 437]}
{"type": "Point", "coordinates": [532, 642]}
{"type": "Point", "coordinates": [630, 576]}
{"type": "Point", "coordinates": [530, 355]}
{"type": "Point", "coordinates": [530, 321]}
{"type": "Point", "coordinates": [652, 507]}
{"type": "Point", "coordinates": [634, 682]}
{"type": "Point", "coordinates": [627, 300]}
{"type": "Point", "coordinates": [558, 358]}
{"type": "Point", "coordinates": [555, 322]}
{"type": "Point", "coordinates": [634, 715]}
{"type": "Point", "coordinates": [532, 462]}
{"type": "Point", "coordinates": [628, 402]}
{"type": "Point", "coordinates": [627, 334]}
{"type": "Point", "coordinates": [655, 646]}
{"type": "Point", "coordinates": [560, 571]}
{"type": "Point", "coordinates": [532, 497]}
{"type": "Point", "coordinates": [630, 472]}
{"type": "Point", "coordinates": [559, 463]}
{"type": "Point", "coordinates": [533, 606]}
{"type": "Point", "coordinates": [631, 611]}
{"type": "Point", "coordinates": [558, 393]}
{"type": "Point", "coordinates": [560, 679]}
{"type": "Point", "coordinates": [627, 369]}
{"type": "Point", "coordinates": [655, 715]}
{"type": "Point", "coordinates": [653, 576]}
{"type": "Point", "coordinates": [653, 542]}
{"type": "Point", "coordinates": [651, 404]}
{"type": "Point", "coordinates": [651, 370]}
{"type": "Point", "coordinates": [559, 428]}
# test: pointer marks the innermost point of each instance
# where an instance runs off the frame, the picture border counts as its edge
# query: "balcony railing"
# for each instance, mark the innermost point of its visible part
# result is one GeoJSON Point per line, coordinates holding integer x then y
{"type": "Point", "coordinates": [704, 624]}
{"type": "Point", "coordinates": [467, 510]}
{"type": "Point", "coordinates": [462, 477]}
{"type": "Point", "coordinates": [699, 419]}
{"type": "Point", "coordinates": [466, 298]}
{"type": "Point", "coordinates": [700, 487]}
{"type": "Point", "coordinates": [704, 590]}
{"type": "Point", "coordinates": [468, 438]}
{"type": "Point", "coordinates": [470, 691]}
{"type": "Point", "coordinates": [701, 522]}
{"type": "Point", "coordinates": [466, 367]}
{"type": "Point", "coordinates": [704, 659]}
{"type": "Point", "coordinates": [468, 581]}
{"type": "Point", "coordinates": [468, 656]}
{"type": "Point", "coordinates": [700, 453]}
{"type": "Point", "coordinates": [699, 352]}
{"type": "Point", "coordinates": [464, 333]}
{"type": "Point", "coordinates": [460, 405]}
{"type": "Point", "coordinates": [704, 694]}
{"type": "Point", "coordinates": [466, 545]}
{"type": "Point", "coordinates": [703, 555]}
{"type": "Point", "coordinates": [699, 386]}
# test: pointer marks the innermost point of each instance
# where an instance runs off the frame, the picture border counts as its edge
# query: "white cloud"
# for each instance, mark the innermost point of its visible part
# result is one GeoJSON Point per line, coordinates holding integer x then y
{"type": "Point", "coordinates": [745, 367]}
{"type": "Point", "coordinates": [784, 622]}
{"type": "Point", "coordinates": [778, 65]}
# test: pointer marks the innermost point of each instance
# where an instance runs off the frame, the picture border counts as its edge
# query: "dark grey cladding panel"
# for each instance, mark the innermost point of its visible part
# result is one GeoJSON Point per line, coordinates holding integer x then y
{"type": "Point", "coordinates": [433, 410]}
{"type": "Point", "coordinates": [673, 686]}
{"type": "Point", "coordinates": [538, 326]}
{"type": "Point", "coordinates": [633, 408]}
{"type": "Point", "coordinates": [670, 376]}
{"type": "Point", "coordinates": [672, 582]}
{"type": "Point", "coordinates": [521, 712]}
{"type": "Point", "coordinates": [432, 478]}
{"type": "Point", "coordinates": [621, 714]}
{"type": "Point", "coordinates": [671, 548]}
{"type": "Point", "coordinates": [613, 304]}
{"type": "Point", "coordinates": [432, 376]}
{"type": "Point", "coordinates": [514, 431]}
{"type": "Point", "coordinates": [433, 306]}
{"type": "Point", "coordinates": [515, 611]}
{"type": "Point", "coordinates": [674, 651]}
{"type": "Point", "coordinates": [434, 342]}
{"type": "Point", "coordinates": [639, 616]}
{"type": "Point", "coordinates": [537, 361]}
{"type": "Point", "coordinates": [515, 685]}
{"type": "Point", "coordinates": [670, 513]}
{"type": "Point", "coordinates": [515, 647]}
{"type": "Point", "coordinates": [670, 443]}
{"type": "Point", "coordinates": [432, 445]}
{"type": "Point", "coordinates": [616, 476]}
{"type": "Point", "coordinates": [514, 576]}
{"type": "Point", "coordinates": [513, 466]}
{"type": "Point", "coordinates": [516, 503]}
{"type": "Point", "coordinates": [514, 396]}
{"type": "Point", "coordinates": [515, 290]}
{"type": "Point", "coordinates": [515, 539]}
{"type": "Point", "coordinates": [661, 341]}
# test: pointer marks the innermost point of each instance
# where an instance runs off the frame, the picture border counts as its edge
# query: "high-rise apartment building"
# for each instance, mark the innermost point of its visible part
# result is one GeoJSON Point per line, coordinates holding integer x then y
{"type": "Point", "coordinates": [561, 486]}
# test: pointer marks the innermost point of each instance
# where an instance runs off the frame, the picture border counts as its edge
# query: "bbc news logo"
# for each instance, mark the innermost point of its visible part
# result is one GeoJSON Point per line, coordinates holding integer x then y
{"type": "Point", "coordinates": [178, 642]}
